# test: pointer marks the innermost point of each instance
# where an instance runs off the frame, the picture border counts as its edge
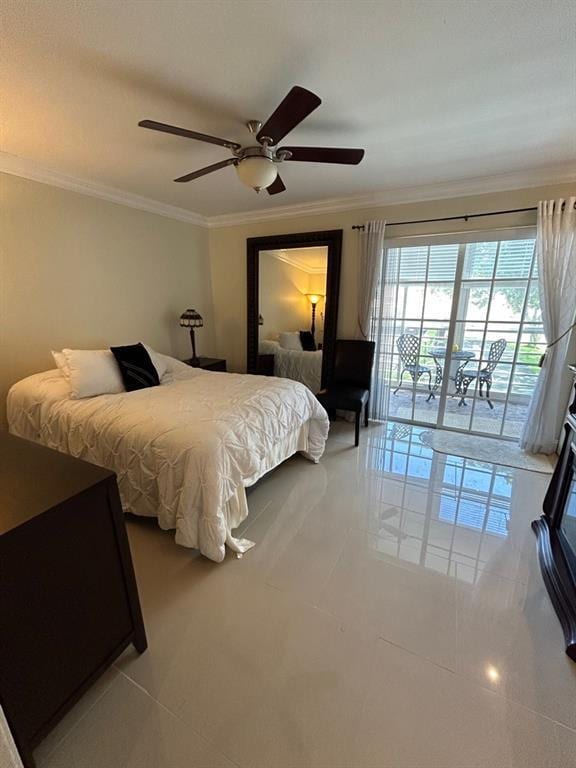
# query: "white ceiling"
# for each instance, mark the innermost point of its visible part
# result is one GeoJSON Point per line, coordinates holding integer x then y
{"type": "Point", "coordinates": [434, 90]}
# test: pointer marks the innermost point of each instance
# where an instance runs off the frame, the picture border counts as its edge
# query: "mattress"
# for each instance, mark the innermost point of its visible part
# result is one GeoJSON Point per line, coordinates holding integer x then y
{"type": "Point", "coordinates": [183, 451]}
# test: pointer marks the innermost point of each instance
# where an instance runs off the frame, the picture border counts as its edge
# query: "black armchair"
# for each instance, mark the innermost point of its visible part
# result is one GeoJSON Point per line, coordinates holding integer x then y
{"type": "Point", "coordinates": [349, 389]}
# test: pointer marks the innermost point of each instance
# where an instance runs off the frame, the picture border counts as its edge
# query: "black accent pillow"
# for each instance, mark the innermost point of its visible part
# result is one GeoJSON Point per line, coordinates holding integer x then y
{"type": "Point", "coordinates": [136, 367]}
{"type": "Point", "coordinates": [307, 341]}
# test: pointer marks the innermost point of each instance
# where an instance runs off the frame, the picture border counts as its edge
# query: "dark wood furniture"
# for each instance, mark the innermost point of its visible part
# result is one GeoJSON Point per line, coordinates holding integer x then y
{"type": "Point", "coordinates": [68, 598]}
{"type": "Point", "coordinates": [332, 239]}
{"type": "Point", "coordinates": [207, 363]}
{"type": "Point", "coordinates": [349, 388]}
{"type": "Point", "coordinates": [556, 532]}
{"type": "Point", "coordinates": [265, 365]}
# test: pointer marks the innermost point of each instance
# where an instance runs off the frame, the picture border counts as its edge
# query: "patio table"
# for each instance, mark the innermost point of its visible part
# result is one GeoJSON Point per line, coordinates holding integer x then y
{"type": "Point", "coordinates": [457, 363]}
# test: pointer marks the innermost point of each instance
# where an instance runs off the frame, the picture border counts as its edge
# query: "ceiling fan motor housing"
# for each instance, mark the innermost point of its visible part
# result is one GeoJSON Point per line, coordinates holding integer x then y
{"type": "Point", "coordinates": [254, 126]}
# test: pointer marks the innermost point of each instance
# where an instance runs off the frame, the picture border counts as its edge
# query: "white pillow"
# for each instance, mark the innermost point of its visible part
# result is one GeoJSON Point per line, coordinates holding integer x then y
{"type": "Point", "coordinates": [92, 372]}
{"type": "Point", "coordinates": [157, 361]}
{"type": "Point", "coordinates": [61, 364]}
{"type": "Point", "coordinates": [290, 340]}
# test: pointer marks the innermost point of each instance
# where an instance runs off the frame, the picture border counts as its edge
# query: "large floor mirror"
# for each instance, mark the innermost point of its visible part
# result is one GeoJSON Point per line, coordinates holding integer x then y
{"type": "Point", "coordinates": [293, 290]}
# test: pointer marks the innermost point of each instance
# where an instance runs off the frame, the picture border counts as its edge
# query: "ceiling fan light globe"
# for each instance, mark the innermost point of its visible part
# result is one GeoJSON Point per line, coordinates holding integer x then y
{"type": "Point", "coordinates": [257, 172]}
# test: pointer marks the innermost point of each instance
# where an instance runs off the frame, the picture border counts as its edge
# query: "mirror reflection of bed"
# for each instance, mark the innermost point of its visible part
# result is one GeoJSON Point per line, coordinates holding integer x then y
{"type": "Point", "coordinates": [292, 293]}
{"type": "Point", "coordinates": [293, 285]}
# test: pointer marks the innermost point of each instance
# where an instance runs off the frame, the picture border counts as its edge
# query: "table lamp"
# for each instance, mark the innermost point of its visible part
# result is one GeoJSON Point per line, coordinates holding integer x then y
{"type": "Point", "coordinates": [191, 319]}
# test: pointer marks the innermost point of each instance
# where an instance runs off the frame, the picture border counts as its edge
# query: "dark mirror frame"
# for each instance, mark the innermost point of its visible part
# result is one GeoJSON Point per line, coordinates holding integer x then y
{"type": "Point", "coordinates": [332, 239]}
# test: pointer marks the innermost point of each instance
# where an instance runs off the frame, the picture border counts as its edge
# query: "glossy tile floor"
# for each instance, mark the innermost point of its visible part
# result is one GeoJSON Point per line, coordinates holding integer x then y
{"type": "Point", "coordinates": [391, 615]}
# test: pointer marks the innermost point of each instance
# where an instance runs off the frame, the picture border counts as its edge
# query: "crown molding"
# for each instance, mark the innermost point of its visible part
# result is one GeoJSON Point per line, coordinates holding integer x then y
{"type": "Point", "coordinates": [402, 195]}
{"type": "Point", "coordinates": [294, 261]}
{"type": "Point", "coordinates": [28, 169]}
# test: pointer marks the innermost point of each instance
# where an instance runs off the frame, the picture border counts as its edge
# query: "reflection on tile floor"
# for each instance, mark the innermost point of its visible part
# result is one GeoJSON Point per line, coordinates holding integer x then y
{"type": "Point", "coordinates": [391, 615]}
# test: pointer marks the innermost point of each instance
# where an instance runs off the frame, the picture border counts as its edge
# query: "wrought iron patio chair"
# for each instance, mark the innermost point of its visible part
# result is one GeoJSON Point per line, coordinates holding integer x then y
{"type": "Point", "coordinates": [409, 351]}
{"type": "Point", "coordinates": [464, 377]}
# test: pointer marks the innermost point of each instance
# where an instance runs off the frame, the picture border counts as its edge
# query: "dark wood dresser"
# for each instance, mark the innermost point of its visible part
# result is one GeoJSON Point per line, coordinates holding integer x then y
{"type": "Point", "coordinates": [68, 597]}
{"type": "Point", "coordinates": [556, 531]}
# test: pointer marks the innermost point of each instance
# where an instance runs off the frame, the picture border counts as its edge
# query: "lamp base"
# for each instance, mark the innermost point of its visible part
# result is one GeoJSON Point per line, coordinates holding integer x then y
{"type": "Point", "coordinates": [195, 360]}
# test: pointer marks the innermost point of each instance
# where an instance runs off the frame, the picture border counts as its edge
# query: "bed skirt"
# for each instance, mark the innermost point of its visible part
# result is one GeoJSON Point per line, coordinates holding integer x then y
{"type": "Point", "coordinates": [236, 508]}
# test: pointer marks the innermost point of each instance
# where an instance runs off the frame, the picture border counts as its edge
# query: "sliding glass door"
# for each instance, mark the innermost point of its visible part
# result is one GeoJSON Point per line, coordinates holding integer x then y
{"type": "Point", "coordinates": [458, 332]}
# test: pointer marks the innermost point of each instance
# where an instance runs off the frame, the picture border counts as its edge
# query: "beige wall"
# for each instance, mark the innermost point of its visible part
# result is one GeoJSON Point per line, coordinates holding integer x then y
{"type": "Point", "coordinates": [228, 251]}
{"type": "Point", "coordinates": [81, 272]}
{"type": "Point", "coordinates": [282, 297]}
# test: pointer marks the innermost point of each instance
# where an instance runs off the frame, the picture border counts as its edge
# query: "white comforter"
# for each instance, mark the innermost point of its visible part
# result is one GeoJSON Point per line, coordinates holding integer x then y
{"type": "Point", "coordinates": [183, 451]}
{"type": "Point", "coordinates": [295, 364]}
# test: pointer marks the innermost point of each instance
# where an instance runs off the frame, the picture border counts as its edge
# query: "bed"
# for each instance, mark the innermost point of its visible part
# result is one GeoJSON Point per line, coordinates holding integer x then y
{"type": "Point", "coordinates": [184, 451]}
{"type": "Point", "coordinates": [295, 364]}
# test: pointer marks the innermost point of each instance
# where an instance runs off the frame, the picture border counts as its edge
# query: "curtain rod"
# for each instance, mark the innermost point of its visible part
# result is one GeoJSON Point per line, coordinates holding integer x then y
{"type": "Point", "coordinates": [465, 217]}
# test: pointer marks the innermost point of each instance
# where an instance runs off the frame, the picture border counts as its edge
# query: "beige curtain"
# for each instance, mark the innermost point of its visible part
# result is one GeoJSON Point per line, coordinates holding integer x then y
{"type": "Point", "coordinates": [556, 254]}
{"type": "Point", "coordinates": [371, 250]}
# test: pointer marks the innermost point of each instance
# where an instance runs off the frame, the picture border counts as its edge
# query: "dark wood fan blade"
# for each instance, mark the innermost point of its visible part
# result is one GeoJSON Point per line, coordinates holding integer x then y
{"type": "Point", "coordinates": [276, 186]}
{"type": "Point", "coordinates": [207, 169]}
{"type": "Point", "coordinates": [297, 105]}
{"type": "Point", "coordinates": [164, 128]}
{"type": "Point", "coordinates": [325, 155]}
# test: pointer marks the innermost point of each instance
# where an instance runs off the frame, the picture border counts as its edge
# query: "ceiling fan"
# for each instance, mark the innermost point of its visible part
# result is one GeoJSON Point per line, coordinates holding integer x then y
{"type": "Point", "coordinates": [257, 166]}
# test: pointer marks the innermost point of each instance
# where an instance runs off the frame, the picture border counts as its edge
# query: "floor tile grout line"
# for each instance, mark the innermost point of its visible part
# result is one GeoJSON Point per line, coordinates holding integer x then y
{"type": "Point", "coordinates": [251, 523]}
{"type": "Point", "coordinates": [503, 697]}
{"type": "Point", "coordinates": [333, 569]}
{"type": "Point", "coordinates": [476, 684]}
{"type": "Point", "coordinates": [418, 655]}
{"type": "Point", "coordinates": [65, 736]}
{"type": "Point", "coordinates": [377, 633]}
{"type": "Point", "coordinates": [177, 717]}
{"type": "Point", "coordinates": [303, 601]}
{"type": "Point", "coordinates": [342, 622]}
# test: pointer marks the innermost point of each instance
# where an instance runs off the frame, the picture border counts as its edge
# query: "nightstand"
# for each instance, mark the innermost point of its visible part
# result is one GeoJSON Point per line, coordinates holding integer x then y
{"type": "Point", "coordinates": [265, 365]}
{"type": "Point", "coordinates": [208, 364]}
